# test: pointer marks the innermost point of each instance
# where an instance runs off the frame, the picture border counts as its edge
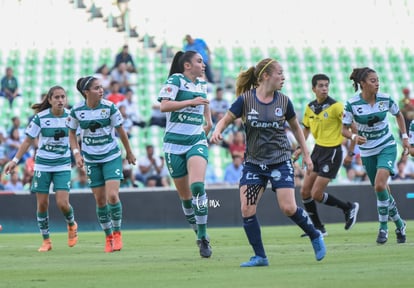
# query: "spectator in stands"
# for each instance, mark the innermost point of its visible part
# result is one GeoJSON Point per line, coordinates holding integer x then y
{"type": "Point", "coordinates": [13, 143]}
{"type": "Point", "coordinates": [233, 170]}
{"type": "Point", "coordinates": [132, 109]}
{"type": "Point", "coordinates": [211, 177]}
{"type": "Point", "coordinates": [360, 174]}
{"type": "Point", "coordinates": [122, 76]}
{"type": "Point", "coordinates": [237, 144]}
{"type": "Point", "coordinates": [150, 167]}
{"type": "Point", "coordinates": [16, 124]}
{"type": "Point", "coordinates": [400, 175]}
{"type": "Point", "coordinates": [264, 111]}
{"type": "Point", "coordinates": [28, 170]}
{"type": "Point", "coordinates": [114, 95]}
{"type": "Point", "coordinates": [14, 184]}
{"type": "Point", "coordinates": [98, 119]}
{"type": "Point", "coordinates": [125, 57]}
{"type": "Point", "coordinates": [218, 105]}
{"type": "Point", "coordinates": [200, 46]}
{"type": "Point", "coordinates": [81, 179]}
{"type": "Point", "coordinates": [158, 117]}
{"type": "Point", "coordinates": [368, 108]}
{"type": "Point", "coordinates": [103, 74]}
{"type": "Point", "coordinates": [406, 105]}
{"type": "Point", "coordinates": [184, 98]}
{"type": "Point", "coordinates": [3, 151]}
{"type": "Point", "coordinates": [323, 119]}
{"type": "Point", "coordinates": [52, 162]}
{"type": "Point", "coordinates": [9, 85]}
{"type": "Point", "coordinates": [127, 122]}
{"type": "Point", "coordinates": [408, 164]}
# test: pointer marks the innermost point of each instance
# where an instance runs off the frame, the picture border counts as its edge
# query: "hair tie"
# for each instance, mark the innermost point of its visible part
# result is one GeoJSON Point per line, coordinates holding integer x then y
{"type": "Point", "coordinates": [264, 67]}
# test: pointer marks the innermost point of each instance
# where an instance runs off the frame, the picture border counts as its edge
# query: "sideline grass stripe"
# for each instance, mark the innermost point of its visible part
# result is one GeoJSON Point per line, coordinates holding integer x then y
{"type": "Point", "coordinates": [169, 258]}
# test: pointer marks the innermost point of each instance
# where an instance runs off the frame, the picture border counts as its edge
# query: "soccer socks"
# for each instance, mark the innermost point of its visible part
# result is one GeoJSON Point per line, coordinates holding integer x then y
{"type": "Point", "coordinates": [335, 202]}
{"type": "Point", "coordinates": [310, 207]}
{"type": "Point", "coordinates": [393, 212]}
{"type": "Point", "coordinates": [252, 228]}
{"type": "Point", "coordinates": [200, 206]}
{"type": "Point", "coordinates": [69, 216]}
{"type": "Point", "coordinates": [43, 224]}
{"type": "Point", "coordinates": [383, 202]}
{"type": "Point", "coordinates": [302, 219]}
{"type": "Point", "coordinates": [116, 215]}
{"type": "Point", "coordinates": [104, 219]}
{"type": "Point", "coordinates": [188, 210]}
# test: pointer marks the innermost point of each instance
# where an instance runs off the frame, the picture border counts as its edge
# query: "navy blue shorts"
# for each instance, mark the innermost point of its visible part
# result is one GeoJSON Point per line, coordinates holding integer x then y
{"type": "Point", "coordinates": [280, 175]}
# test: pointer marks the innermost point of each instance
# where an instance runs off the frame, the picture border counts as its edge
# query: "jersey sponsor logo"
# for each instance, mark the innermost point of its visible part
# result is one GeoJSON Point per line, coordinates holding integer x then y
{"type": "Point", "coordinates": [187, 118]}
{"type": "Point", "coordinates": [263, 124]}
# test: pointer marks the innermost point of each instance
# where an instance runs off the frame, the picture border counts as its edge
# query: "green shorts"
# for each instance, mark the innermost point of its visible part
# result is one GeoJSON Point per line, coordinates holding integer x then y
{"type": "Point", "coordinates": [177, 163]}
{"type": "Point", "coordinates": [99, 173]}
{"type": "Point", "coordinates": [42, 180]}
{"type": "Point", "coordinates": [384, 160]}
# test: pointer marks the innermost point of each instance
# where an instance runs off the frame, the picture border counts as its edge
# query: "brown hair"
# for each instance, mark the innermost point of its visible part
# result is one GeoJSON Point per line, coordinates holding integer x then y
{"type": "Point", "coordinates": [360, 74]}
{"type": "Point", "coordinates": [38, 107]}
{"type": "Point", "coordinates": [250, 78]}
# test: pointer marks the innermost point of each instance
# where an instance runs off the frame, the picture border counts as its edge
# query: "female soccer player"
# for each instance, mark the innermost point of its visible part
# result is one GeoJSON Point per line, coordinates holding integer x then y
{"type": "Point", "coordinates": [265, 111]}
{"type": "Point", "coordinates": [52, 162]}
{"type": "Point", "coordinates": [368, 108]}
{"type": "Point", "coordinates": [97, 120]}
{"type": "Point", "coordinates": [184, 98]}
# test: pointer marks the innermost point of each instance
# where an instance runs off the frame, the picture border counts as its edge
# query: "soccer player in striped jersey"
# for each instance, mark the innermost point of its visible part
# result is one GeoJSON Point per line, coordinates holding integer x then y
{"type": "Point", "coordinates": [265, 112]}
{"type": "Point", "coordinates": [184, 99]}
{"type": "Point", "coordinates": [368, 108]}
{"type": "Point", "coordinates": [48, 131]}
{"type": "Point", "coordinates": [323, 119]}
{"type": "Point", "coordinates": [97, 119]}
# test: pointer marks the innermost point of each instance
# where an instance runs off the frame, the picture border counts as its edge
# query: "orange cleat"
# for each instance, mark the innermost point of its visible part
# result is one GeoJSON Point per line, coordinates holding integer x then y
{"type": "Point", "coordinates": [72, 235]}
{"type": "Point", "coordinates": [46, 245]}
{"type": "Point", "coordinates": [109, 245]}
{"type": "Point", "coordinates": [117, 241]}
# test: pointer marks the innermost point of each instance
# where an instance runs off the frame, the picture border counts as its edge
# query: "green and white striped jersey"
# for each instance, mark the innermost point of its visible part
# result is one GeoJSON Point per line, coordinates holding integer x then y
{"type": "Point", "coordinates": [371, 121]}
{"type": "Point", "coordinates": [53, 153]}
{"type": "Point", "coordinates": [99, 143]}
{"type": "Point", "coordinates": [184, 127]}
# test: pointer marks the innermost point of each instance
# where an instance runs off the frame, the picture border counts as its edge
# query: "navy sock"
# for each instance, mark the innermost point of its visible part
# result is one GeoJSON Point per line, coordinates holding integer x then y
{"type": "Point", "coordinates": [302, 219]}
{"type": "Point", "coordinates": [252, 228]}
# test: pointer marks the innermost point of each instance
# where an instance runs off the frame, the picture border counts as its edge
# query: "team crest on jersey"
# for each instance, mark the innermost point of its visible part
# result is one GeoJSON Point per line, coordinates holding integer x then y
{"type": "Point", "coordinates": [278, 112]}
{"type": "Point", "coordinates": [325, 115]}
{"type": "Point", "coordinates": [325, 168]}
{"type": "Point", "coordinates": [381, 106]}
{"type": "Point", "coordinates": [104, 113]}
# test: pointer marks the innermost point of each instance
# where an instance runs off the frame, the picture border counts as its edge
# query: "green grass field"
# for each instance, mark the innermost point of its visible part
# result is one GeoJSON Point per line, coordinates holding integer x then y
{"type": "Point", "coordinates": [169, 258]}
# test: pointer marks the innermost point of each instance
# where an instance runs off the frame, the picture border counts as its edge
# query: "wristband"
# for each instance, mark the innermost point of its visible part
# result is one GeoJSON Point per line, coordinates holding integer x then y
{"type": "Point", "coordinates": [353, 137]}
{"type": "Point", "coordinates": [16, 160]}
{"type": "Point", "coordinates": [75, 151]}
{"type": "Point", "coordinates": [404, 136]}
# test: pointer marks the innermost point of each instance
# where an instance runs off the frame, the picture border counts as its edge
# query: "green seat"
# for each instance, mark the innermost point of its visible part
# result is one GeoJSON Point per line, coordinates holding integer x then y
{"type": "Point", "coordinates": [256, 54]}
{"type": "Point", "coordinates": [274, 53]}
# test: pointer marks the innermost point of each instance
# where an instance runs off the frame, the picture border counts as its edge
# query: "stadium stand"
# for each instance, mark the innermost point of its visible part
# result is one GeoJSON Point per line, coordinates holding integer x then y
{"type": "Point", "coordinates": [40, 66]}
